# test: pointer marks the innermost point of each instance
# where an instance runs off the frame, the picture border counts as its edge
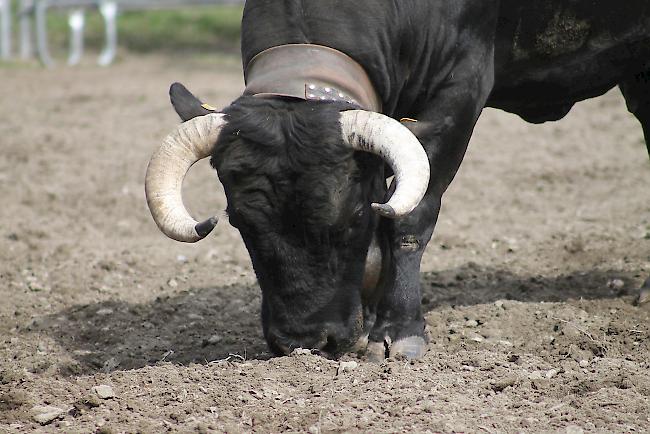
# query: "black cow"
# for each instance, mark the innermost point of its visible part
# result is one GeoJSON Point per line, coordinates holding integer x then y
{"type": "Point", "coordinates": [301, 153]}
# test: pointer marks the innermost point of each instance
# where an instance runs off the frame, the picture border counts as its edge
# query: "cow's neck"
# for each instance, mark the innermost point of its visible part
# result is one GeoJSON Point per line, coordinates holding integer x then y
{"type": "Point", "coordinates": [310, 72]}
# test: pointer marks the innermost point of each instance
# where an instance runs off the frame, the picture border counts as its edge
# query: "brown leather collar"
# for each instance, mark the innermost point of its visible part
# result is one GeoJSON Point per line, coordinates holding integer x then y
{"type": "Point", "coordinates": [310, 72]}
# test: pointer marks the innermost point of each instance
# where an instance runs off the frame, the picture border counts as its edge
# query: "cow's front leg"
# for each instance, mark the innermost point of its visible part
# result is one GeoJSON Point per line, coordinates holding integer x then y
{"type": "Point", "coordinates": [399, 324]}
{"type": "Point", "coordinates": [636, 90]}
{"type": "Point", "coordinates": [444, 129]}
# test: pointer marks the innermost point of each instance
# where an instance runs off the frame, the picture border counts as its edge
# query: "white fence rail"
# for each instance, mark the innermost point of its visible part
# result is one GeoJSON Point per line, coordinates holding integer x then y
{"type": "Point", "coordinates": [35, 12]}
{"type": "Point", "coordinates": [5, 29]}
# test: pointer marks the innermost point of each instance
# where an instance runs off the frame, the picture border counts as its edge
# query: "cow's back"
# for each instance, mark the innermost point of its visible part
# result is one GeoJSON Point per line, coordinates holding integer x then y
{"type": "Point", "coordinates": [551, 53]}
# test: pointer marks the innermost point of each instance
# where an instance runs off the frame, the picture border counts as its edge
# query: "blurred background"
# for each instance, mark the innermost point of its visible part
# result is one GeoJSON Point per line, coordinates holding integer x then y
{"type": "Point", "coordinates": [554, 219]}
{"type": "Point", "coordinates": [51, 29]}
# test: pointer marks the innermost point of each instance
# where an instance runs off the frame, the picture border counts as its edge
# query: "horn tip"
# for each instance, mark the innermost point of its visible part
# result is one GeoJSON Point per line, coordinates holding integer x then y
{"type": "Point", "coordinates": [204, 228]}
{"type": "Point", "coordinates": [384, 210]}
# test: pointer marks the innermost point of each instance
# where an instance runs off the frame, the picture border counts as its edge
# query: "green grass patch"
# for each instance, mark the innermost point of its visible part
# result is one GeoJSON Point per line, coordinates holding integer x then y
{"type": "Point", "coordinates": [193, 29]}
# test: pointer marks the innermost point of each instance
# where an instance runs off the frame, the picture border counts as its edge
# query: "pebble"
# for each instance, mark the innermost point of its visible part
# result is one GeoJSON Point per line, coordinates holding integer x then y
{"type": "Point", "coordinates": [583, 363]}
{"type": "Point", "coordinates": [104, 311]}
{"type": "Point", "coordinates": [503, 383]}
{"type": "Point", "coordinates": [471, 323]}
{"type": "Point", "coordinates": [45, 414]}
{"type": "Point", "coordinates": [172, 283]}
{"type": "Point", "coordinates": [551, 373]}
{"type": "Point", "coordinates": [104, 391]}
{"type": "Point", "coordinates": [347, 366]}
{"type": "Point", "coordinates": [615, 284]}
{"type": "Point", "coordinates": [301, 352]}
{"type": "Point", "coordinates": [214, 339]}
{"type": "Point", "coordinates": [498, 303]}
{"type": "Point", "coordinates": [574, 429]}
{"type": "Point", "coordinates": [428, 406]}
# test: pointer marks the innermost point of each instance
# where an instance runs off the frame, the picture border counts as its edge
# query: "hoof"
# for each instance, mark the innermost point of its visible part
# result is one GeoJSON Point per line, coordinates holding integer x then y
{"type": "Point", "coordinates": [644, 294]}
{"type": "Point", "coordinates": [412, 347]}
{"type": "Point", "coordinates": [361, 345]}
{"type": "Point", "coordinates": [376, 352]}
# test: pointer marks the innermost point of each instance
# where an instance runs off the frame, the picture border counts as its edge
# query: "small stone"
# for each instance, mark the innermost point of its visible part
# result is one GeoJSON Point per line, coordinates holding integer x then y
{"type": "Point", "coordinates": [536, 375]}
{"type": "Point", "coordinates": [574, 429]}
{"type": "Point", "coordinates": [471, 323]}
{"type": "Point", "coordinates": [172, 283]}
{"type": "Point", "coordinates": [584, 363]}
{"type": "Point", "coordinates": [347, 366]}
{"type": "Point", "coordinates": [428, 406]}
{"type": "Point", "coordinates": [181, 258]}
{"type": "Point", "coordinates": [551, 373]}
{"type": "Point", "coordinates": [615, 284]}
{"type": "Point", "coordinates": [104, 391]}
{"type": "Point", "coordinates": [301, 352]}
{"type": "Point", "coordinates": [504, 383]}
{"type": "Point", "coordinates": [499, 303]}
{"type": "Point", "coordinates": [104, 311]}
{"type": "Point", "coordinates": [214, 339]}
{"type": "Point", "coordinates": [45, 414]}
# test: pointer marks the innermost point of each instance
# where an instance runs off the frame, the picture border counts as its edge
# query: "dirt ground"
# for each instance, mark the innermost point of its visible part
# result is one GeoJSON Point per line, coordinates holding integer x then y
{"type": "Point", "coordinates": [542, 243]}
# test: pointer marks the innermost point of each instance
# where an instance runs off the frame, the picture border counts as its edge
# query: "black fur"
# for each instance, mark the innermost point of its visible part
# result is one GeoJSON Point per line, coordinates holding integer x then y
{"type": "Point", "coordinates": [300, 198]}
{"type": "Point", "coordinates": [295, 192]}
{"type": "Point", "coordinates": [186, 105]}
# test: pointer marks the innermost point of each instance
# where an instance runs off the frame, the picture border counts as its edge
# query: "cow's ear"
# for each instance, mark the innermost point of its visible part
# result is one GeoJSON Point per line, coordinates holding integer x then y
{"type": "Point", "coordinates": [187, 105]}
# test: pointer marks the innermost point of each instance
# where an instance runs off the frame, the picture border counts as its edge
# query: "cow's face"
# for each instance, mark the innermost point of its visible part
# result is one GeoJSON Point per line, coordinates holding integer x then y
{"type": "Point", "coordinates": [301, 201]}
{"type": "Point", "coordinates": [301, 178]}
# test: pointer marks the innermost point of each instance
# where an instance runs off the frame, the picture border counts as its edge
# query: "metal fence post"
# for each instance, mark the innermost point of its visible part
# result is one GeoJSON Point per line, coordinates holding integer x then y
{"type": "Point", "coordinates": [76, 21]}
{"type": "Point", "coordinates": [40, 13]}
{"type": "Point", "coordinates": [26, 13]}
{"type": "Point", "coordinates": [5, 29]}
{"type": "Point", "coordinates": [108, 10]}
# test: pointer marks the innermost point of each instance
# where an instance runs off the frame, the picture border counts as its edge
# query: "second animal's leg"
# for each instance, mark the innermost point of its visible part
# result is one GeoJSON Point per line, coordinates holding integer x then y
{"type": "Point", "coordinates": [636, 90]}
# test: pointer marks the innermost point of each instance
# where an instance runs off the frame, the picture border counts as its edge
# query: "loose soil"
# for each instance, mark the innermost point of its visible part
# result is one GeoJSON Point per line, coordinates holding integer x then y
{"type": "Point", "coordinates": [529, 282]}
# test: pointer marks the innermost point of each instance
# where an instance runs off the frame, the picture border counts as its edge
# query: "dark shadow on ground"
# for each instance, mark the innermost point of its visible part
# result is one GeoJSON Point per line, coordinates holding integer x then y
{"type": "Point", "coordinates": [206, 324]}
{"type": "Point", "coordinates": [196, 326]}
{"type": "Point", "coordinates": [472, 284]}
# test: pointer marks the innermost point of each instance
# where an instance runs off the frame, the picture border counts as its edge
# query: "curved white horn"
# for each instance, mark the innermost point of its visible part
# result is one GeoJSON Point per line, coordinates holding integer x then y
{"type": "Point", "coordinates": [384, 136]}
{"type": "Point", "coordinates": [191, 142]}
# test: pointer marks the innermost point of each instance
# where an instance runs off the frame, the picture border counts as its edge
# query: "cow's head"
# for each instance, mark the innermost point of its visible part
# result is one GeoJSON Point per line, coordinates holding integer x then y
{"type": "Point", "coordinates": [302, 179]}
